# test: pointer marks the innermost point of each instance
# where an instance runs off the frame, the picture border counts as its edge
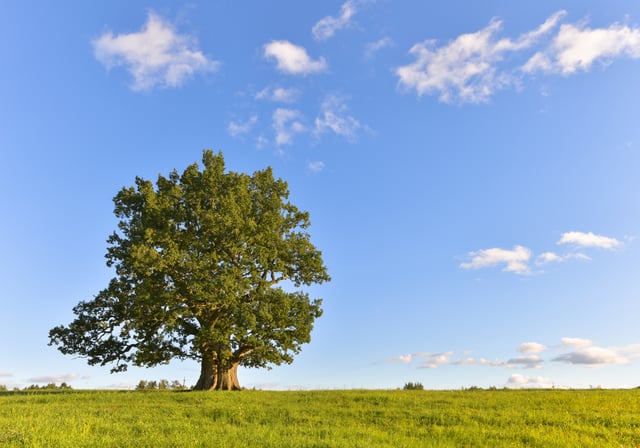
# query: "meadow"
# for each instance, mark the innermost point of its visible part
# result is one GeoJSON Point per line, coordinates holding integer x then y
{"type": "Point", "coordinates": [352, 418]}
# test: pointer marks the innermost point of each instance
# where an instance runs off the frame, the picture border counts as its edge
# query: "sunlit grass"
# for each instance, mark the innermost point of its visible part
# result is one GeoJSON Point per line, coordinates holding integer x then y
{"type": "Point", "coordinates": [549, 418]}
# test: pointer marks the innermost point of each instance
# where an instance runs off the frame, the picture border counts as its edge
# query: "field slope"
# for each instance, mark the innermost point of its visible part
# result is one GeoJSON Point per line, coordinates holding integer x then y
{"type": "Point", "coordinates": [546, 418]}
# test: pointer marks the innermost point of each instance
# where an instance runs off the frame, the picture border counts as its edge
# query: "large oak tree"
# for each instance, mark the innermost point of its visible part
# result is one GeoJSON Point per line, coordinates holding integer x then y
{"type": "Point", "coordinates": [209, 266]}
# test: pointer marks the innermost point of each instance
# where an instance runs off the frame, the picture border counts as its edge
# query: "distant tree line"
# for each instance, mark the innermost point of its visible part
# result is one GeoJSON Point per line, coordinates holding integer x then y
{"type": "Point", "coordinates": [161, 385]}
{"type": "Point", "coordinates": [50, 386]}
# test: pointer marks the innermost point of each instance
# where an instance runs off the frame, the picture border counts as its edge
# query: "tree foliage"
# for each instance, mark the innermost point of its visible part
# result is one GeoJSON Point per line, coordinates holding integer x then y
{"type": "Point", "coordinates": [209, 266]}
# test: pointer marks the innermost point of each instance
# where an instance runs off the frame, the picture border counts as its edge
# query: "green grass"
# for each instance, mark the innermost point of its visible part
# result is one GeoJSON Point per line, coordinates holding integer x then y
{"type": "Point", "coordinates": [545, 418]}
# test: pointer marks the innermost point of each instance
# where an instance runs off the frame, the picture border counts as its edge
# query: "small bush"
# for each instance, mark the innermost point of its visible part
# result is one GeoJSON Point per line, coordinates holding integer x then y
{"type": "Point", "coordinates": [413, 386]}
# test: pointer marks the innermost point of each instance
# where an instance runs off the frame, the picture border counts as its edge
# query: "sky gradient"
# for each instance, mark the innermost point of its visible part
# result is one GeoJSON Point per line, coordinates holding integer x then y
{"type": "Point", "coordinates": [471, 172]}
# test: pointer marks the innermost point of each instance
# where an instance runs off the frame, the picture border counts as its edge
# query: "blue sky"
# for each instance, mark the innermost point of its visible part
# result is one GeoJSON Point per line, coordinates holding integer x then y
{"type": "Point", "coordinates": [471, 171]}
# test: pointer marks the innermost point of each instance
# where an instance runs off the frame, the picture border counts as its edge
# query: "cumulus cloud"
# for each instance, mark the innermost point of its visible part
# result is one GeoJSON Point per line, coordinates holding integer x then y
{"type": "Point", "coordinates": [335, 117]}
{"type": "Point", "coordinates": [286, 124]}
{"type": "Point", "coordinates": [515, 260]}
{"type": "Point", "coordinates": [531, 347]}
{"type": "Point", "coordinates": [156, 56]}
{"type": "Point", "coordinates": [465, 69]}
{"type": "Point", "coordinates": [517, 381]}
{"type": "Point", "coordinates": [373, 47]}
{"type": "Point", "coordinates": [582, 239]}
{"type": "Point", "coordinates": [327, 26]}
{"type": "Point", "coordinates": [62, 378]}
{"type": "Point", "coordinates": [577, 47]}
{"type": "Point", "coordinates": [592, 356]}
{"type": "Point", "coordinates": [279, 94]}
{"type": "Point", "coordinates": [236, 128]}
{"type": "Point", "coordinates": [316, 166]}
{"type": "Point", "coordinates": [293, 59]}
{"type": "Point", "coordinates": [585, 353]}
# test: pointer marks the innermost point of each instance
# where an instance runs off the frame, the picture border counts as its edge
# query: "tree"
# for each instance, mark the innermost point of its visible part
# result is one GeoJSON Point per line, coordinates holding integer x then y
{"type": "Point", "coordinates": [209, 266]}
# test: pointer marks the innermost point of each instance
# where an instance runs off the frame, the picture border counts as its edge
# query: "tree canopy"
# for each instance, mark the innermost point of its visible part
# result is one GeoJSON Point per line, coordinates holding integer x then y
{"type": "Point", "coordinates": [209, 266]}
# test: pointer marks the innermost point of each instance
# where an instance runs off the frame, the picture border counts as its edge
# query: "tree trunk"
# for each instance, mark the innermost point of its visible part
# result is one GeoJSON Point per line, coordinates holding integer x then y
{"type": "Point", "coordinates": [208, 374]}
{"type": "Point", "coordinates": [228, 379]}
{"type": "Point", "coordinates": [214, 376]}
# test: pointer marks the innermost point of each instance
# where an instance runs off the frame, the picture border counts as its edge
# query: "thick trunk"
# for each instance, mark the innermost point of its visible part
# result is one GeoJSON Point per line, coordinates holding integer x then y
{"type": "Point", "coordinates": [208, 375]}
{"type": "Point", "coordinates": [228, 378]}
{"type": "Point", "coordinates": [214, 376]}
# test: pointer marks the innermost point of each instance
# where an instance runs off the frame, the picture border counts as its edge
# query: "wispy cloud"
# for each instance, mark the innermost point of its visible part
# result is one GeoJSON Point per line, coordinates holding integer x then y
{"type": "Point", "coordinates": [515, 260]}
{"type": "Point", "coordinates": [6, 375]}
{"type": "Point", "coordinates": [327, 26]}
{"type": "Point", "coordinates": [335, 117]}
{"type": "Point", "coordinates": [373, 47]}
{"type": "Point", "coordinates": [577, 48]}
{"type": "Point", "coordinates": [434, 360]}
{"type": "Point", "coordinates": [286, 124]}
{"type": "Point", "coordinates": [156, 56]}
{"type": "Point", "coordinates": [293, 59]}
{"type": "Point", "coordinates": [279, 94]}
{"type": "Point", "coordinates": [552, 257]}
{"type": "Point", "coordinates": [316, 166]}
{"type": "Point", "coordinates": [525, 362]}
{"type": "Point", "coordinates": [236, 128]}
{"type": "Point", "coordinates": [465, 69]}
{"type": "Point", "coordinates": [61, 378]}
{"type": "Point", "coordinates": [582, 239]}
{"type": "Point", "coordinates": [517, 381]}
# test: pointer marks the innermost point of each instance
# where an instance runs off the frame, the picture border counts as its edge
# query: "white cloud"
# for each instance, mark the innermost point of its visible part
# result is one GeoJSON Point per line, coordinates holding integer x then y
{"type": "Point", "coordinates": [334, 117]}
{"type": "Point", "coordinates": [62, 378]}
{"type": "Point", "coordinates": [516, 260]}
{"type": "Point", "coordinates": [279, 94]}
{"type": "Point", "coordinates": [479, 362]}
{"type": "Point", "coordinates": [373, 47]}
{"type": "Point", "coordinates": [156, 56]}
{"type": "Point", "coordinates": [406, 359]}
{"type": "Point", "coordinates": [531, 347]}
{"type": "Point", "coordinates": [465, 69]}
{"type": "Point", "coordinates": [525, 362]}
{"type": "Point", "coordinates": [286, 124]}
{"type": "Point", "coordinates": [236, 128]}
{"type": "Point", "coordinates": [6, 375]}
{"type": "Point", "coordinates": [585, 353]}
{"type": "Point", "coordinates": [316, 166]}
{"type": "Point", "coordinates": [576, 342]}
{"type": "Point", "coordinates": [436, 359]}
{"type": "Point", "coordinates": [577, 47]}
{"type": "Point", "coordinates": [293, 59]}
{"type": "Point", "coordinates": [522, 381]}
{"type": "Point", "coordinates": [592, 356]}
{"type": "Point", "coordinates": [582, 239]}
{"type": "Point", "coordinates": [327, 26]}
{"type": "Point", "coordinates": [552, 257]}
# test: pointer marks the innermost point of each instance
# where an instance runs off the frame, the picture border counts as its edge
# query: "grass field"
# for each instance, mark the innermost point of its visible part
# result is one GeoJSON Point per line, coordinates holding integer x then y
{"type": "Point", "coordinates": [545, 418]}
